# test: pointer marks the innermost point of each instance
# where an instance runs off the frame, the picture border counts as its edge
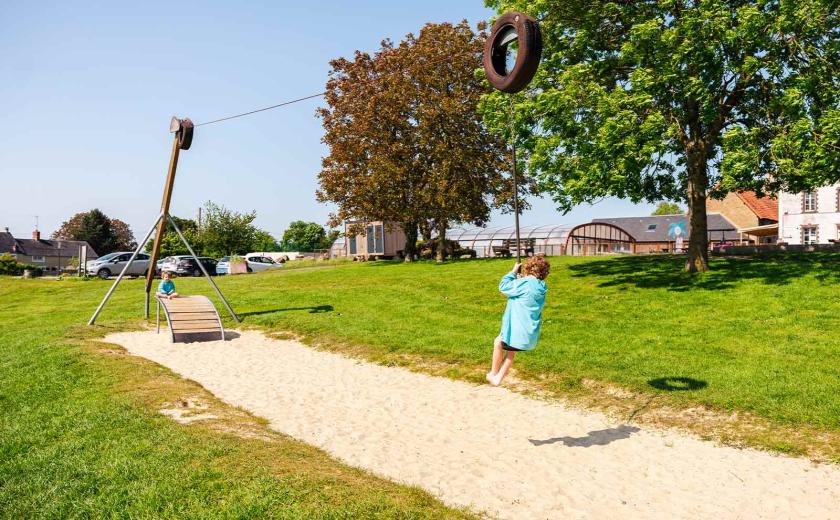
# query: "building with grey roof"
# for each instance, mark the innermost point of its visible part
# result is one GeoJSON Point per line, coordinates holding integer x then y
{"type": "Point", "coordinates": [50, 255]}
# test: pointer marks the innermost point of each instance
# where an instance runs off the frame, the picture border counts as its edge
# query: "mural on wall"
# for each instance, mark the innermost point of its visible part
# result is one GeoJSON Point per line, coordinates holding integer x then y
{"type": "Point", "coordinates": [677, 231]}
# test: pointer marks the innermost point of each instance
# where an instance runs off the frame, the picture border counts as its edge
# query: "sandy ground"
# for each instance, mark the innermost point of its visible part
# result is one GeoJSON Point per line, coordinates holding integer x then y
{"type": "Point", "coordinates": [490, 449]}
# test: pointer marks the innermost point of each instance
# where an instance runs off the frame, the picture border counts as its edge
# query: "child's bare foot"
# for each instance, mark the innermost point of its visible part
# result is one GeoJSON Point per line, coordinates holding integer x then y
{"type": "Point", "coordinates": [490, 377]}
{"type": "Point", "coordinates": [495, 380]}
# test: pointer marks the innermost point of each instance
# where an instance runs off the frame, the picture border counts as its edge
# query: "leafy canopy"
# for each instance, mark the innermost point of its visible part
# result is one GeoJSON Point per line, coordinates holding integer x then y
{"type": "Point", "coordinates": [664, 99]}
{"type": "Point", "coordinates": [306, 237]}
{"type": "Point", "coordinates": [105, 235]}
{"type": "Point", "coordinates": [405, 141]}
{"type": "Point", "coordinates": [668, 208]}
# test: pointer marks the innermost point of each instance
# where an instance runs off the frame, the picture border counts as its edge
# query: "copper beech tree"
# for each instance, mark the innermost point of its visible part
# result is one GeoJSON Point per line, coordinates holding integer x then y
{"type": "Point", "coordinates": [406, 144]}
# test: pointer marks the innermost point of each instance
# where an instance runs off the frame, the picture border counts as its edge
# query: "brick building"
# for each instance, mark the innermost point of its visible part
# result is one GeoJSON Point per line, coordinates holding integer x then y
{"type": "Point", "coordinates": [756, 218]}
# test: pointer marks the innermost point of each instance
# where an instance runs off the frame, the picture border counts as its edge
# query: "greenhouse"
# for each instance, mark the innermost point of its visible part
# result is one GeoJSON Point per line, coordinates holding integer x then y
{"type": "Point", "coordinates": [487, 242]}
{"type": "Point", "coordinates": [599, 238]}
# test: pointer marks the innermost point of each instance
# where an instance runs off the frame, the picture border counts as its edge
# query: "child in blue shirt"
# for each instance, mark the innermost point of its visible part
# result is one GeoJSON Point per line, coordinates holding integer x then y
{"type": "Point", "coordinates": [166, 289]}
{"type": "Point", "coordinates": [523, 315]}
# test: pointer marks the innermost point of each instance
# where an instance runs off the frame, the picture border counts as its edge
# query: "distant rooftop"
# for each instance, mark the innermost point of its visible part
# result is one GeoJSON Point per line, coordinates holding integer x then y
{"type": "Point", "coordinates": [655, 228]}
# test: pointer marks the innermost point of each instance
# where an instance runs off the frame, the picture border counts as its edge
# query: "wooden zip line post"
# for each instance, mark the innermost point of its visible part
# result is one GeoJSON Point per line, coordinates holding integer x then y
{"type": "Point", "coordinates": [183, 130]}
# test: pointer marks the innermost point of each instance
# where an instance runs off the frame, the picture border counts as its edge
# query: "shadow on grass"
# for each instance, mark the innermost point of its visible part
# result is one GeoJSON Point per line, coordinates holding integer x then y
{"type": "Point", "coordinates": [652, 272]}
{"type": "Point", "coordinates": [677, 384]}
{"type": "Point", "coordinates": [312, 310]}
{"type": "Point", "coordinates": [593, 438]}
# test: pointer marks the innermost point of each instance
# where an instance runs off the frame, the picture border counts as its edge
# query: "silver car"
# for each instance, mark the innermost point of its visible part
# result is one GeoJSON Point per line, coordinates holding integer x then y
{"type": "Point", "coordinates": [113, 264]}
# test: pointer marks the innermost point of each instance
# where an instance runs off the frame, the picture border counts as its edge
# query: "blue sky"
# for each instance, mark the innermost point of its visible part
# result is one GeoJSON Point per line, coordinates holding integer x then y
{"type": "Point", "coordinates": [88, 89]}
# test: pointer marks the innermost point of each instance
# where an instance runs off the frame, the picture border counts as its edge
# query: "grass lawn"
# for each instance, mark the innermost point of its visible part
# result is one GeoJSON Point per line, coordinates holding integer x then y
{"type": "Point", "coordinates": [746, 353]}
{"type": "Point", "coordinates": [81, 436]}
{"type": "Point", "coordinates": [749, 349]}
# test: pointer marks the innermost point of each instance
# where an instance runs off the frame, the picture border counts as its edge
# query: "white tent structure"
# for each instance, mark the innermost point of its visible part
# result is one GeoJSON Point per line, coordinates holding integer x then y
{"type": "Point", "coordinates": [549, 239]}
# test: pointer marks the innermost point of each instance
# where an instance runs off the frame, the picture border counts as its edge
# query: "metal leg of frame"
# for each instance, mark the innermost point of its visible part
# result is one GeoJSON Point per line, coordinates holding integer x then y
{"type": "Point", "coordinates": [158, 315]}
{"type": "Point", "coordinates": [203, 270]}
{"type": "Point", "coordinates": [140, 246]}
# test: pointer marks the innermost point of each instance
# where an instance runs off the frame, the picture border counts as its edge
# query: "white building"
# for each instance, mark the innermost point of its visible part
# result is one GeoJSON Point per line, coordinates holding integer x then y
{"type": "Point", "coordinates": [811, 217]}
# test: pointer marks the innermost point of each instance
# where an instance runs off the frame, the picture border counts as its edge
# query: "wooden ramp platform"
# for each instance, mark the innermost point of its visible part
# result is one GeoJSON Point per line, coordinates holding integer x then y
{"type": "Point", "coordinates": [191, 318]}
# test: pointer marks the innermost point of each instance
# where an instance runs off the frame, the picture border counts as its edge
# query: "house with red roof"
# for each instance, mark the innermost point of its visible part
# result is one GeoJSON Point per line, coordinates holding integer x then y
{"type": "Point", "coordinates": [756, 218]}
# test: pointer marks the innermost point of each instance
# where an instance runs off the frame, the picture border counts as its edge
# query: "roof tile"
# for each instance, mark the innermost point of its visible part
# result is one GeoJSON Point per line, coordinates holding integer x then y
{"type": "Point", "coordinates": [763, 207]}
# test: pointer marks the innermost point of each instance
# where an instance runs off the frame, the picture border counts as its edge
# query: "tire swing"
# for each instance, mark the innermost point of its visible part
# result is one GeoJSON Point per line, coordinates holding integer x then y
{"type": "Point", "coordinates": [519, 33]}
{"type": "Point", "coordinates": [510, 28]}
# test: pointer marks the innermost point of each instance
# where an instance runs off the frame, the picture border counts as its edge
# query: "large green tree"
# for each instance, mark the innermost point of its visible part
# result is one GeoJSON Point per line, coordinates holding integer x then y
{"type": "Point", "coordinates": [304, 236]}
{"type": "Point", "coordinates": [225, 232]}
{"type": "Point", "coordinates": [406, 144]}
{"type": "Point", "coordinates": [104, 234]}
{"type": "Point", "coordinates": [669, 99]}
{"type": "Point", "coordinates": [171, 244]}
{"type": "Point", "coordinates": [667, 208]}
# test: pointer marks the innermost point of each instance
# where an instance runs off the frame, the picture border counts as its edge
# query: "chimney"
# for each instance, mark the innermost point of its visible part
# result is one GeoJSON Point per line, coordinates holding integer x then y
{"type": "Point", "coordinates": [7, 229]}
{"type": "Point", "coordinates": [36, 235]}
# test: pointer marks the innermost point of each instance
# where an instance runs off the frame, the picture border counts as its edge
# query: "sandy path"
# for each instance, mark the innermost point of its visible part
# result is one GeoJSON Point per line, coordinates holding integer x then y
{"type": "Point", "coordinates": [490, 449]}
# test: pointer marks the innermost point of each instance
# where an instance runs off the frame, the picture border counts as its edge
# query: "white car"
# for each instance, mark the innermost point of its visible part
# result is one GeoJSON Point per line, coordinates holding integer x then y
{"type": "Point", "coordinates": [113, 264]}
{"type": "Point", "coordinates": [257, 263]}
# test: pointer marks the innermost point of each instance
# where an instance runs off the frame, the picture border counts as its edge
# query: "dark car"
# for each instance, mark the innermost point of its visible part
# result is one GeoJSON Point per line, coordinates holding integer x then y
{"type": "Point", "coordinates": [185, 265]}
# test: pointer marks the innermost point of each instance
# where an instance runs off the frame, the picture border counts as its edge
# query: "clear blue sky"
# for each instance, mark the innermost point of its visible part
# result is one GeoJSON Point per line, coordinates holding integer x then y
{"type": "Point", "coordinates": [88, 89]}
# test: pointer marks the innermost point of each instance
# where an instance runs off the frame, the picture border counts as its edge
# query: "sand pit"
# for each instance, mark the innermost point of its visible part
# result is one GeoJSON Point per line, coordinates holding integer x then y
{"type": "Point", "coordinates": [490, 449]}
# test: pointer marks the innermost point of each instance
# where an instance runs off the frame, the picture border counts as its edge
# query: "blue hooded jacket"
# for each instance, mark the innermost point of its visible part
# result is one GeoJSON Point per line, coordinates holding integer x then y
{"type": "Point", "coordinates": [523, 315]}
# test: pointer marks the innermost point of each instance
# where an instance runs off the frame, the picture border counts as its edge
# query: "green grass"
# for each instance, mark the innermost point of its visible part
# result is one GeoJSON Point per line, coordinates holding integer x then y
{"type": "Point", "coordinates": [753, 336]}
{"type": "Point", "coordinates": [746, 353]}
{"type": "Point", "coordinates": [80, 436]}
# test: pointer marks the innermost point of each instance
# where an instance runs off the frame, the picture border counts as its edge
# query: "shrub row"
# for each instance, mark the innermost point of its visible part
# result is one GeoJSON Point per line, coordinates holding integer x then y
{"type": "Point", "coordinates": [10, 266]}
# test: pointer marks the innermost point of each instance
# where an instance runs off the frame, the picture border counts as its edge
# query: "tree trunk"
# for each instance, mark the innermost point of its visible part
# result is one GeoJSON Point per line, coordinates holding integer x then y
{"type": "Point", "coordinates": [410, 250]}
{"type": "Point", "coordinates": [698, 242]}
{"type": "Point", "coordinates": [441, 249]}
{"type": "Point", "coordinates": [426, 230]}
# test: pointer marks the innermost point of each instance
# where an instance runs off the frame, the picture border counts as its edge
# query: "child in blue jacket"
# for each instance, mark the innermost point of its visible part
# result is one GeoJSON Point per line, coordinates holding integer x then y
{"type": "Point", "coordinates": [166, 289]}
{"type": "Point", "coordinates": [523, 315]}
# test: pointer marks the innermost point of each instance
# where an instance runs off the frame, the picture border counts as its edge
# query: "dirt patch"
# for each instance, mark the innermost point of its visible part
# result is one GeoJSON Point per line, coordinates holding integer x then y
{"type": "Point", "coordinates": [188, 410]}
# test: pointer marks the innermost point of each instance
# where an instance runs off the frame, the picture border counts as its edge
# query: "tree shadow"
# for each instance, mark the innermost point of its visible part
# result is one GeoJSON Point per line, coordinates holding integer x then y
{"type": "Point", "coordinates": [677, 384]}
{"type": "Point", "coordinates": [312, 310]}
{"type": "Point", "coordinates": [593, 438]}
{"type": "Point", "coordinates": [652, 272]}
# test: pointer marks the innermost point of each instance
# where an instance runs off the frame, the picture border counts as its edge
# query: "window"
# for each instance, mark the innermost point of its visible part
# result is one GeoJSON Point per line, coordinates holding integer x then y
{"type": "Point", "coordinates": [809, 201]}
{"type": "Point", "coordinates": [651, 227]}
{"type": "Point", "coordinates": [375, 238]}
{"type": "Point", "coordinates": [809, 235]}
{"type": "Point", "coordinates": [353, 245]}
{"type": "Point", "coordinates": [142, 256]}
{"type": "Point", "coordinates": [39, 259]}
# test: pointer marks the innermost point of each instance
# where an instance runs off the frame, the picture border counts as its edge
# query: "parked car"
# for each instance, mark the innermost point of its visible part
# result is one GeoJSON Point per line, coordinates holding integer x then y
{"type": "Point", "coordinates": [113, 264]}
{"type": "Point", "coordinates": [185, 265]}
{"type": "Point", "coordinates": [223, 265]}
{"type": "Point", "coordinates": [260, 263]}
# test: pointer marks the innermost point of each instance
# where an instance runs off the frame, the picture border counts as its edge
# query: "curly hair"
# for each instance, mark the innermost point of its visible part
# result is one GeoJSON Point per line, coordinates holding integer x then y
{"type": "Point", "coordinates": [537, 266]}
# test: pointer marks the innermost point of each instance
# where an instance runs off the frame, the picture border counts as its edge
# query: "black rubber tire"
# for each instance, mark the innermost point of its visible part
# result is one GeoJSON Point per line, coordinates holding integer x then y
{"type": "Point", "coordinates": [185, 134]}
{"type": "Point", "coordinates": [196, 273]}
{"type": "Point", "coordinates": [103, 273]}
{"type": "Point", "coordinates": [250, 270]}
{"type": "Point", "coordinates": [527, 55]}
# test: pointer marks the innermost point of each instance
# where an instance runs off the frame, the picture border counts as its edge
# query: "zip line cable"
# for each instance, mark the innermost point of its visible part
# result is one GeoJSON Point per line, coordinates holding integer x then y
{"type": "Point", "coordinates": [298, 100]}
{"type": "Point", "coordinates": [313, 96]}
